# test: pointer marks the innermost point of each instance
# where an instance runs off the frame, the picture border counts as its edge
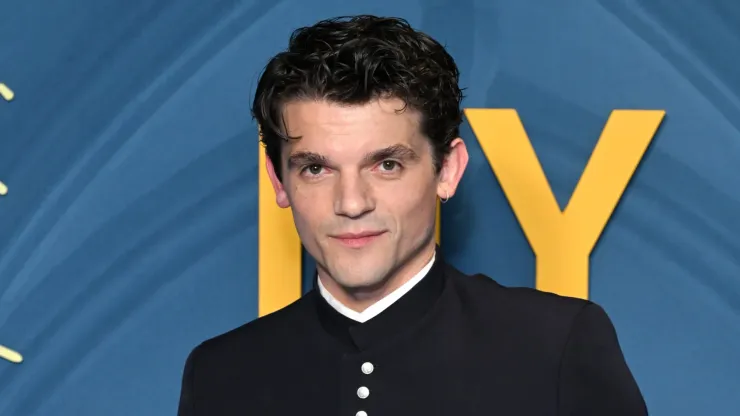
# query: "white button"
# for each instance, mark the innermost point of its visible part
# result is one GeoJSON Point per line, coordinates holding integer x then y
{"type": "Point", "coordinates": [361, 413]}
{"type": "Point", "coordinates": [368, 368]}
{"type": "Point", "coordinates": [363, 392]}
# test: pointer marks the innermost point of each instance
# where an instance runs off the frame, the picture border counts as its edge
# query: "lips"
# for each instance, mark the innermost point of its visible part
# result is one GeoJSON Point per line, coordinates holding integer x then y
{"type": "Point", "coordinates": [357, 240]}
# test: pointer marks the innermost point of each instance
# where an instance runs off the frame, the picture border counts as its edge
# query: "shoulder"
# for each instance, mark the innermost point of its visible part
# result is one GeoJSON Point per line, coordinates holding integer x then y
{"type": "Point", "coordinates": [531, 313]}
{"type": "Point", "coordinates": [219, 369]}
{"type": "Point", "coordinates": [263, 334]}
{"type": "Point", "coordinates": [523, 302]}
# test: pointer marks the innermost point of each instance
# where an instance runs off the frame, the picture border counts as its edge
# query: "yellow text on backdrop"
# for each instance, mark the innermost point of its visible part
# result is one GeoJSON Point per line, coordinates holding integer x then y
{"type": "Point", "coordinates": [561, 240]}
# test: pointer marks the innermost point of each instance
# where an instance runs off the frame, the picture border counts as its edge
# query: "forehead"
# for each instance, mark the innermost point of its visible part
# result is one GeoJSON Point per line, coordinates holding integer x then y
{"type": "Point", "coordinates": [328, 127]}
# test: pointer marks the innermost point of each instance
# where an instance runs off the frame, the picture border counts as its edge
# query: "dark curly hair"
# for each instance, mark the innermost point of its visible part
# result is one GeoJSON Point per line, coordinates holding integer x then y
{"type": "Point", "coordinates": [353, 60]}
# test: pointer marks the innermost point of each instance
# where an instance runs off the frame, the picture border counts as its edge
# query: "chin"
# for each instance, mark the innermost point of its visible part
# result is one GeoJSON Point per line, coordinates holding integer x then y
{"type": "Point", "coordinates": [357, 282]}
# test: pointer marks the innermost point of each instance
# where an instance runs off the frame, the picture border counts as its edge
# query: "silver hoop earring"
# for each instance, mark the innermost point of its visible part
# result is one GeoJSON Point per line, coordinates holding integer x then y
{"type": "Point", "coordinates": [447, 197]}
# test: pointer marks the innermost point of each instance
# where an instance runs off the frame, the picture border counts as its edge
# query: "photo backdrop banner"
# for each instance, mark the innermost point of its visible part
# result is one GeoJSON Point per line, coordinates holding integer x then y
{"type": "Point", "coordinates": [132, 211]}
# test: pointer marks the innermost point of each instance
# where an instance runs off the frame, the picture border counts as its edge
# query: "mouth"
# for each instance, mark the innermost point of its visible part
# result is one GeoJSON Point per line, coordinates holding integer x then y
{"type": "Point", "coordinates": [357, 240]}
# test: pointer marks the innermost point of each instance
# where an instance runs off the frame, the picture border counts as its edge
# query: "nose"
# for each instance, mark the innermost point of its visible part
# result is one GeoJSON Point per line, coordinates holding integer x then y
{"type": "Point", "coordinates": [353, 196]}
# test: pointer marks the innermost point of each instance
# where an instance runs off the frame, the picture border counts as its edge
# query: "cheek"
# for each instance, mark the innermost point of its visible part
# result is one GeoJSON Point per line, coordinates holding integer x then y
{"type": "Point", "coordinates": [308, 193]}
{"type": "Point", "coordinates": [310, 207]}
{"type": "Point", "coordinates": [412, 204]}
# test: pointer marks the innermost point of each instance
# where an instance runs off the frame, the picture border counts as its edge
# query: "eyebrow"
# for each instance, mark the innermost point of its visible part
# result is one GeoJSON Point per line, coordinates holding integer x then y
{"type": "Point", "coordinates": [299, 159]}
{"type": "Point", "coordinates": [396, 151]}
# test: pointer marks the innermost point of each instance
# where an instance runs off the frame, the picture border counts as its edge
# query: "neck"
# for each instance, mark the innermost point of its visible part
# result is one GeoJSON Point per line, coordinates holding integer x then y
{"type": "Point", "coordinates": [359, 299]}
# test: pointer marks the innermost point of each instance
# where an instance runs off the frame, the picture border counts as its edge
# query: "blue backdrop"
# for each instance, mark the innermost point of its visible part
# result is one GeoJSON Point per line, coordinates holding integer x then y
{"type": "Point", "coordinates": [129, 232]}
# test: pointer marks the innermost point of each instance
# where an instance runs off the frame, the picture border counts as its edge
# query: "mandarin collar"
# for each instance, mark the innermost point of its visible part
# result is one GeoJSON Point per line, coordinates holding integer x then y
{"type": "Point", "coordinates": [401, 315]}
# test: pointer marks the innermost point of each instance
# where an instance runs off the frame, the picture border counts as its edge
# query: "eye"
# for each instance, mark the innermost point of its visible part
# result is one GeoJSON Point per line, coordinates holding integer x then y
{"type": "Point", "coordinates": [389, 165]}
{"type": "Point", "coordinates": [313, 169]}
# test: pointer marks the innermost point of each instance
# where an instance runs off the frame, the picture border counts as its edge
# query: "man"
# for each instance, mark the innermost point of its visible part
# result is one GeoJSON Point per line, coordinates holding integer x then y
{"type": "Point", "coordinates": [360, 119]}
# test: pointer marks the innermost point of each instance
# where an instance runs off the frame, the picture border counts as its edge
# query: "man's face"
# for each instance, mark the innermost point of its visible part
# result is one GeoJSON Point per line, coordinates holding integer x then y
{"type": "Point", "coordinates": [362, 187]}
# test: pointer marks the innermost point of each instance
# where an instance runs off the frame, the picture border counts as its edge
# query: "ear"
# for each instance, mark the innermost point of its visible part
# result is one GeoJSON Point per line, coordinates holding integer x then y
{"type": "Point", "coordinates": [280, 195]}
{"type": "Point", "coordinates": [453, 167]}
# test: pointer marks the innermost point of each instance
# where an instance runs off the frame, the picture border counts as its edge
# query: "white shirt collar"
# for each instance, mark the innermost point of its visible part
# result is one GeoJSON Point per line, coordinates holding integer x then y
{"type": "Point", "coordinates": [379, 306]}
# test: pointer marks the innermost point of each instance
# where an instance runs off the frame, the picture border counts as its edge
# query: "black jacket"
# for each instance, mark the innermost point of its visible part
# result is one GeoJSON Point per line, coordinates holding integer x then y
{"type": "Point", "coordinates": [455, 345]}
